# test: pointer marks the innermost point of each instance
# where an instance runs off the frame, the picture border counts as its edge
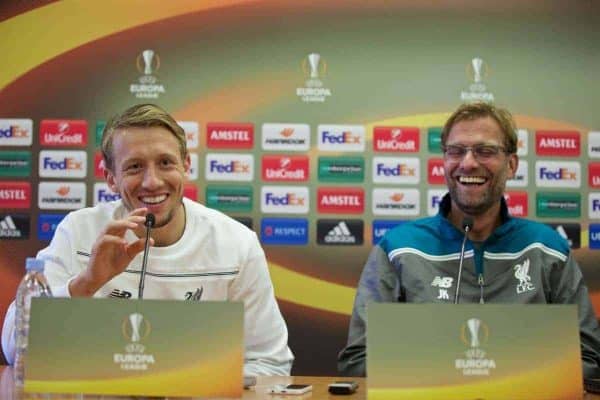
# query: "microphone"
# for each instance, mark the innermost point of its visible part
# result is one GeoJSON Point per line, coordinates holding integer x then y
{"type": "Point", "coordinates": [149, 223]}
{"type": "Point", "coordinates": [467, 225]}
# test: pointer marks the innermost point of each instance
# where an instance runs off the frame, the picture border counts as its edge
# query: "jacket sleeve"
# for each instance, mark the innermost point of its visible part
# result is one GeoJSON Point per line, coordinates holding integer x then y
{"type": "Point", "coordinates": [568, 288]}
{"type": "Point", "coordinates": [265, 331]}
{"type": "Point", "coordinates": [379, 283]}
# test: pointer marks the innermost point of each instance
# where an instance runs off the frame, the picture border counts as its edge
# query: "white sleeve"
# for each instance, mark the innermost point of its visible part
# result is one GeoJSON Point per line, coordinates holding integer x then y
{"type": "Point", "coordinates": [265, 332]}
{"type": "Point", "coordinates": [58, 271]}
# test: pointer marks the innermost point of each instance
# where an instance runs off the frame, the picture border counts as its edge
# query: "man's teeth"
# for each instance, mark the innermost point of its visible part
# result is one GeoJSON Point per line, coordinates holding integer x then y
{"type": "Point", "coordinates": [471, 179]}
{"type": "Point", "coordinates": [154, 199]}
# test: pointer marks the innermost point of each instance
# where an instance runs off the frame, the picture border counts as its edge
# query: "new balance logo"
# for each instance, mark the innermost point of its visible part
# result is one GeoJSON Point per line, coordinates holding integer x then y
{"type": "Point", "coordinates": [120, 294]}
{"type": "Point", "coordinates": [194, 296]}
{"type": "Point", "coordinates": [443, 282]}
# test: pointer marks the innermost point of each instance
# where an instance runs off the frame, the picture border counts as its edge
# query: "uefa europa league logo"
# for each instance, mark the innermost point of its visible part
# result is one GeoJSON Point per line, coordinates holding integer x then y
{"type": "Point", "coordinates": [135, 327]}
{"type": "Point", "coordinates": [473, 324]}
{"type": "Point", "coordinates": [148, 55]}
{"type": "Point", "coordinates": [136, 321]}
{"type": "Point", "coordinates": [477, 64]}
{"type": "Point", "coordinates": [313, 62]}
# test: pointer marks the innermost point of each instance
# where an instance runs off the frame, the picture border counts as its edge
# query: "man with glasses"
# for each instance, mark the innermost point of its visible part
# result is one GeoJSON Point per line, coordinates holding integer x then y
{"type": "Point", "coordinates": [514, 260]}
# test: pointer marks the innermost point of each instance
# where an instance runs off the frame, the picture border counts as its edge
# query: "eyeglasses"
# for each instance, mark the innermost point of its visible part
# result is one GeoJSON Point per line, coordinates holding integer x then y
{"type": "Point", "coordinates": [481, 152]}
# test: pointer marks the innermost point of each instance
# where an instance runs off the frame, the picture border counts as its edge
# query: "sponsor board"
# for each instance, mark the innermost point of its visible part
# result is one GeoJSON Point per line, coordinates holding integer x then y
{"type": "Point", "coordinates": [594, 239]}
{"type": "Point", "coordinates": [340, 200]}
{"type": "Point", "coordinates": [103, 194]}
{"type": "Point", "coordinates": [64, 132]}
{"type": "Point", "coordinates": [381, 227]}
{"type": "Point", "coordinates": [229, 135]}
{"type": "Point", "coordinates": [98, 165]}
{"type": "Point", "coordinates": [517, 203]}
{"type": "Point", "coordinates": [61, 195]}
{"type": "Point", "coordinates": [396, 202]}
{"type": "Point", "coordinates": [594, 144]}
{"type": "Point", "coordinates": [558, 205]}
{"type": "Point", "coordinates": [568, 231]}
{"type": "Point", "coordinates": [594, 205]}
{"type": "Point", "coordinates": [435, 171]}
{"type": "Point", "coordinates": [284, 231]}
{"type": "Point", "coordinates": [15, 164]}
{"type": "Point", "coordinates": [100, 125]}
{"type": "Point", "coordinates": [522, 142]}
{"type": "Point", "coordinates": [521, 178]}
{"type": "Point", "coordinates": [285, 137]}
{"type": "Point", "coordinates": [559, 174]}
{"type": "Point", "coordinates": [341, 169]}
{"type": "Point", "coordinates": [14, 226]}
{"type": "Point", "coordinates": [396, 139]}
{"type": "Point", "coordinates": [246, 221]}
{"type": "Point", "coordinates": [284, 168]}
{"type": "Point", "coordinates": [341, 138]}
{"type": "Point", "coordinates": [343, 232]}
{"type": "Point", "coordinates": [284, 199]}
{"type": "Point", "coordinates": [16, 132]}
{"type": "Point", "coordinates": [558, 143]}
{"type": "Point", "coordinates": [230, 198]}
{"type": "Point", "coordinates": [14, 194]}
{"type": "Point", "coordinates": [192, 173]}
{"type": "Point", "coordinates": [396, 170]}
{"type": "Point", "coordinates": [434, 199]}
{"type": "Point", "coordinates": [229, 167]}
{"type": "Point", "coordinates": [47, 224]}
{"type": "Point", "coordinates": [62, 164]}
{"type": "Point", "coordinates": [594, 175]}
{"type": "Point", "coordinates": [434, 140]}
{"type": "Point", "coordinates": [192, 133]}
{"type": "Point", "coordinates": [190, 191]}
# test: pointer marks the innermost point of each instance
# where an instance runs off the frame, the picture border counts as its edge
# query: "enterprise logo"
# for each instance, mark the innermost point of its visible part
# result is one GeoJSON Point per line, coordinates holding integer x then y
{"type": "Point", "coordinates": [396, 139]}
{"type": "Point", "coordinates": [73, 133]}
{"type": "Point", "coordinates": [284, 168]}
{"type": "Point", "coordinates": [558, 205]}
{"type": "Point", "coordinates": [381, 227]}
{"type": "Point", "coordinates": [284, 199]}
{"type": "Point", "coordinates": [594, 231]}
{"type": "Point", "coordinates": [103, 194]}
{"type": "Point", "coordinates": [521, 178]}
{"type": "Point", "coordinates": [15, 163]}
{"type": "Point", "coordinates": [517, 203]}
{"type": "Point", "coordinates": [284, 231]}
{"type": "Point", "coordinates": [61, 195]}
{"type": "Point", "coordinates": [15, 194]}
{"type": "Point", "coordinates": [62, 164]}
{"type": "Point", "coordinates": [594, 174]}
{"type": "Point", "coordinates": [435, 171]}
{"type": "Point", "coordinates": [403, 170]}
{"type": "Point", "coordinates": [594, 144]}
{"type": "Point", "coordinates": [396, 202]}
{"type": "Point", "coordinates": [229, 167]}
{"type": "Point", "coordinates": [47, 224]}
{"type": "Point", "coordinates": [192, 133]}
{"type": "Point", "coordinates": [225, 135]}
{"type": "Point", "coordinates": [16, 132]}
{"type": "Point", "coordinates": [341, 169]}
{"type": "Point", "coordinates": [570, 232]}
{"type": "Point", "coordinates": [594, 205]}
{"type": "Point", "coordinates": [286, 137]}
{"type": "Point", "coordinates": [434, 199]}
{"type": "Point", "coordinates": [340, 200]}
{"type": "Point", "coordinates": [341, 138]}
{"type": "Point", "coordinates": [229, 198]}
{"type": "Point", "coordinates": [565, 174]}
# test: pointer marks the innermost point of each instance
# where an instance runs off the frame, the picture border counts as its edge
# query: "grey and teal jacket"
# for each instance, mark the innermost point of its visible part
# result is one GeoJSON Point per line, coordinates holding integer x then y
{"type": "Point", "coordinates": [521, 262]}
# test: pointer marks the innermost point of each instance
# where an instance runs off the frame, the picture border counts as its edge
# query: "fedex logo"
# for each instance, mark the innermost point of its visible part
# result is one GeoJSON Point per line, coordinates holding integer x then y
{"type": "Point", "coordinates": [284, 168]}
{"type": "Point", "coordinates": [103, 194]}
{"type": "Point", "coordinates": [284, 199]}
{"type": "Point", "coordinates": [558, 174]}
{"type": "Point", "coordinates": [434, 199]}
{"type": "Point", "coordinates": [341, 137]}
{"type": "Point", "coordinates": [435, 171]}
{"type": "Point", "coordinates": [225, 135]}
{"type": "Point", "coordinates": [73, 133]}
{"type": "Point", "coordinates": [192, 135]}
{"type": "Point", "coordinates": [396, 170]}
{"type": "Point", "coordinates": [339, 200]}
{"type": "Point", "coordinates": [57, 163]}
{"type": "Point", "coordinates": [558, 143]}
{"type": "Point", "coordinates": [229, 167]}
{"type": "Point", "coordinates": [594, 205]}
{"type": "Point", "coordinates": [397, 139]}
{"type": "Point", "coordinates": [16, 132]}
{"type": "Point", "coordinates": [594, 174]}
{"type": "Point", "coordinates": [517, 203]}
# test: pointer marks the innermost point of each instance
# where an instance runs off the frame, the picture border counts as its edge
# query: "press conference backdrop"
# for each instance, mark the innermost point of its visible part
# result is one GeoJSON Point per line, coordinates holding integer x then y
{"type": "Point", "coordinates": [315, 123]}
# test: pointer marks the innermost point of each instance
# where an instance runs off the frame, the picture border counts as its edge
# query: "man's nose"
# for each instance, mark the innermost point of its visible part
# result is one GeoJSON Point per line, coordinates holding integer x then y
{"type": "Point", "coordinates": [152, 178]}
{"type": "Point", "coordinates": [469, 160]}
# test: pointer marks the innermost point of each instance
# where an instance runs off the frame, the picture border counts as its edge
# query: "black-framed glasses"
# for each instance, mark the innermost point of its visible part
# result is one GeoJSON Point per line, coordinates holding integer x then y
{"type": "Point", "coordinates": [481, 152]}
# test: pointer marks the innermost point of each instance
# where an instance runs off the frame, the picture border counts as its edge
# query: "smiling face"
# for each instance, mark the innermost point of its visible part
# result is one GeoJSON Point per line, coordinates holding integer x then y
{"type": "Point", "coordinates": [477, 185]}
{"type": "Point", "coordinates": [148, 171]}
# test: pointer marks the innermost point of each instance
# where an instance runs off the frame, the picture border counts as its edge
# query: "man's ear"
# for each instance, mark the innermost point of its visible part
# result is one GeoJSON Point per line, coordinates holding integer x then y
{"type": "Point", "coordinates": [187, 163]}
{"type": "Point", "coordinates": [109, 177]}
{"type": "Point", "coordinates": [513, 164]}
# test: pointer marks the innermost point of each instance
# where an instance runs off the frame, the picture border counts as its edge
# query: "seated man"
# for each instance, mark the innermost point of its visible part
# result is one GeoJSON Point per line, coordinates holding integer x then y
{"type": "Point", "coordinates": [480, 145]}
{"type": "Point", "coordinates": [198, 253]}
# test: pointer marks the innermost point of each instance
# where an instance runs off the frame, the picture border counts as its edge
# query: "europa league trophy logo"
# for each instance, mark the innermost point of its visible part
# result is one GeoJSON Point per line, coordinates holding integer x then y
{"type": "Point", "coordinates": [136, 321]}
{"type": "Point", "coordinates": [148, 55]}
{"type": "Point", "coordinates": [477, 64]}
{"type": "Point", "coordinates": [474, 324]}
{"type": "Point", "coordinates": [313, 62]}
